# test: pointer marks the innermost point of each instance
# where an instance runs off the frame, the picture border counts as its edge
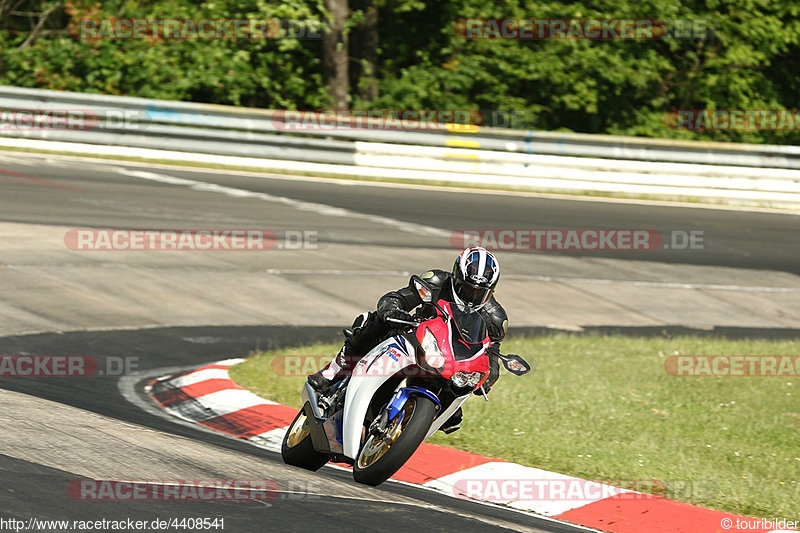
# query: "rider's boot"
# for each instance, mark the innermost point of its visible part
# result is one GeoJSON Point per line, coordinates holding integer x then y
{"type": "Point", "coordinates": [339, 368]}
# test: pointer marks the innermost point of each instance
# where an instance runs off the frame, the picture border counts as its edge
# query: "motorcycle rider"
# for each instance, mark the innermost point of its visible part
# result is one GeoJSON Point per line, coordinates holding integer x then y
{"type": "Point", "coordinates": [470, 285]}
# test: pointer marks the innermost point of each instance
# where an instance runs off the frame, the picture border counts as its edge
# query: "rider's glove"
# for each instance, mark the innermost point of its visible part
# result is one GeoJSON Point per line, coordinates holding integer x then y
{"type": "Point", "coordinates": [494, 374]}
{"type": "Point", "coordinates": [397, 314]}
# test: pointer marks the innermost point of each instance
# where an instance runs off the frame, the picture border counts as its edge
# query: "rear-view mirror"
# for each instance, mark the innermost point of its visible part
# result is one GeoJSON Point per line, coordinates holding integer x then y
{"type": "Point", "coordinates": [515, 364]}
{"type": "Point", "coordinates": [423, 289]}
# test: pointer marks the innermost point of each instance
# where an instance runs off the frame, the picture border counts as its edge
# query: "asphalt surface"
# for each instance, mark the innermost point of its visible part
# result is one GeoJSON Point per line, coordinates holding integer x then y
{"type": "Point", "coordinates": [31, 490]}
{"type": "Point", "coordinates": [48, 191]}
{"type": "Point", "coordinates": [86, 197]}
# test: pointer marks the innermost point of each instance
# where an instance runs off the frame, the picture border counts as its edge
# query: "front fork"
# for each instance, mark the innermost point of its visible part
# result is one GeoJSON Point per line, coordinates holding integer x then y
{"type": "Point", "coordinates": [401, 397]}
{"type": "Point", "coordinates": [396, 404]}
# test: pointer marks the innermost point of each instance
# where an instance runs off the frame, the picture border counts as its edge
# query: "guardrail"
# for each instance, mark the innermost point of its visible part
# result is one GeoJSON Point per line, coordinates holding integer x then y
{"type": "Point", "coordinates": [476, 156]}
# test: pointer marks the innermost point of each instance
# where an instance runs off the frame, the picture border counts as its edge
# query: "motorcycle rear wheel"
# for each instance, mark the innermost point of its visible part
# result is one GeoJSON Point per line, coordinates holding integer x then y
{"type": "Point", "coordinates": [297, 449]}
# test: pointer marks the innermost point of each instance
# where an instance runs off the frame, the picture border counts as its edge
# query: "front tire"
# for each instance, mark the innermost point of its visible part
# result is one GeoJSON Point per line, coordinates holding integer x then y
{"type": "Point", "coordinates": [297, 449]}
{"type": "Point", "coordinates": [383, 455]}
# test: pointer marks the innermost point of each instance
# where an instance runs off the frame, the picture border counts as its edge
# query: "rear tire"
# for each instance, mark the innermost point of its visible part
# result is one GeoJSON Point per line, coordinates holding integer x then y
{"type": "Point", "coordinates": [419, 412]}
{"type": "Point", "coordinates": [297, 449]}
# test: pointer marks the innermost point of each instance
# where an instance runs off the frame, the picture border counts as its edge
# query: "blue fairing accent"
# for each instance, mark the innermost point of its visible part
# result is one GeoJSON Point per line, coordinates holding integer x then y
{"type": "Point", "coordinates": [401, 397]}
{"type": "Point", "coordinates": [396, 345]}
{"type": "Point", "coordinates": [339, 427]}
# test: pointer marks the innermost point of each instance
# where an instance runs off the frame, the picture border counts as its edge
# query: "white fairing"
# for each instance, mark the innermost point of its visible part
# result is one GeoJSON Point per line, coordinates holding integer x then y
{"type": "Point", "coordinates": [442, 418]}
{"type": "Point", "coordinates": [372, 371]}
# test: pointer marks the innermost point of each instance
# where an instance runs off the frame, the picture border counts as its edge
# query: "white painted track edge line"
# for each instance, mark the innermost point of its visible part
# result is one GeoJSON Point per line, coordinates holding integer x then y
{"type": "Point", "coordinates": [455, 189]}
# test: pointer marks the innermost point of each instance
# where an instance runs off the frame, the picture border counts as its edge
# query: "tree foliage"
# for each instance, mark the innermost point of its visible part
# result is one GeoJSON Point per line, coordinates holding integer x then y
{"type": "Point", "coordinates": [750, 60]}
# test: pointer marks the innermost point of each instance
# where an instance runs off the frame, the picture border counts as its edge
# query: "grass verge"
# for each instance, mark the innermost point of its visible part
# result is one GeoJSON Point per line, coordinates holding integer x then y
{"type": "Point", "coordinates": [605, 408]}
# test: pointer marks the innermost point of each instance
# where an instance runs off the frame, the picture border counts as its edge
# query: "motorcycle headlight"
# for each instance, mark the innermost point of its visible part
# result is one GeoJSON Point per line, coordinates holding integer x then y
{"type": "Point", "coordinates": [433, 355]}
{"type": "Point", "coordinates": [466, 379]}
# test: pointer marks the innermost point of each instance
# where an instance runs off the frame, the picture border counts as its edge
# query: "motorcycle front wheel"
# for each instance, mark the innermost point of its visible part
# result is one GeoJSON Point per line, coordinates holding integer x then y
{"type": "Point", "coordinates": [383, 455]}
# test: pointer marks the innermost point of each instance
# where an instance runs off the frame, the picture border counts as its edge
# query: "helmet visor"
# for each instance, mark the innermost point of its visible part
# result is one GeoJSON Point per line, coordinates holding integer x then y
{"type": "Point", "coordinates": [471, 294]}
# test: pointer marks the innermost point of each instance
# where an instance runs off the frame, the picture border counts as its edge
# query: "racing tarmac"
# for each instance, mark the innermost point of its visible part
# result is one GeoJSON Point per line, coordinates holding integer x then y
{"type": "Point", "coordinates": [178, 309]}
{"type": "Point", "coordinates": [56, 430]}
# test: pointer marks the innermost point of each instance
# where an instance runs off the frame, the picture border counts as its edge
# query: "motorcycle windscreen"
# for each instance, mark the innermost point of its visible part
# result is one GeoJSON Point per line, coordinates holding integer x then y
{"type": "Point", "coordinates": [468, 333]}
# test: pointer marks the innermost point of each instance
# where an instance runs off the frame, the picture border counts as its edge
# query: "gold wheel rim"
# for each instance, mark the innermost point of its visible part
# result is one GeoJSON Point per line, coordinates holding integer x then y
{"type": "Point", "coordinates": [298, 431]}
{"type": "Point", "coordinates": [374, 450]}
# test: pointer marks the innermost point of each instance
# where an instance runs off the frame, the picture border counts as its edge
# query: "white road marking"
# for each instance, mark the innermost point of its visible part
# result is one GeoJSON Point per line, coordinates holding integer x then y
{"type": "Point", "coordinates": [225, 401]}
{"type": "Point", "coordinates": [127, 386]}
{"type": "Point", "coordinates": [200, 375]}
{"type": "Point", "coordinates": [260, 491]}
{"type": "Point", "coordinates": [334, 272]}
{"type": "Point", "coordinates": [557, 279]}
{"type": "Point", "coordinates": [524, 481]}
{"type": "Point", "coordinates": [271, 440]}
{"type": "Point", "coordinates": [464, 189]}
{"type": "Point", "coordinates": [321, 209]}
{"type": "Point", "coordinates": [57, 162]}
{"type": "Point", "coordinates": [661, 284]}
{"type": "Point", "coordinates": [231, 362]}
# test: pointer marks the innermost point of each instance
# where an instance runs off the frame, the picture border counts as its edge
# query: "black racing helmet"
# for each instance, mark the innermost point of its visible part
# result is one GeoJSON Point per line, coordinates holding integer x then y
{"type": "Point", "coordinates": [475, 275]}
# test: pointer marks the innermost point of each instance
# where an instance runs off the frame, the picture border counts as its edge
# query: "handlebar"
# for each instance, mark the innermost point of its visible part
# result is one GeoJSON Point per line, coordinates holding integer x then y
{"type": "Point", "coordinates": [404, 322]}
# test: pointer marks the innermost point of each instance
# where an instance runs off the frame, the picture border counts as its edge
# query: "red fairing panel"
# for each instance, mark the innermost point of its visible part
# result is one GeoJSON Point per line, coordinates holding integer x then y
{"type": "Point", "coordinates": [445, 337]}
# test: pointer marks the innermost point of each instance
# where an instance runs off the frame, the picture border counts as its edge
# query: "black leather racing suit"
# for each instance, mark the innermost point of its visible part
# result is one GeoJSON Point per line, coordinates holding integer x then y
{"type": "Point", "coordinates": [370, 329]}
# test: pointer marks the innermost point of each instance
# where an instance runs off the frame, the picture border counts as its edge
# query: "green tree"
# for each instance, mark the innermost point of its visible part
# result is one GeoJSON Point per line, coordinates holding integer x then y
{"type": "Point", "coordinates": [409, 54]}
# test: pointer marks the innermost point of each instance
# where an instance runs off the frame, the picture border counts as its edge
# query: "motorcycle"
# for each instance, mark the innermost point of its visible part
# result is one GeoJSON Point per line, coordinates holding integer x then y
{"type": "Point", "coordinates": [398, 395]}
